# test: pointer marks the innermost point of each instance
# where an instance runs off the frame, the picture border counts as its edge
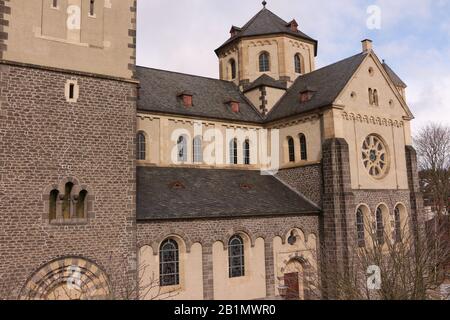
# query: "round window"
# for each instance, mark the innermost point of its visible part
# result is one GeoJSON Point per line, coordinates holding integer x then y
{"type": "Point", "coordinates": [375, 156]}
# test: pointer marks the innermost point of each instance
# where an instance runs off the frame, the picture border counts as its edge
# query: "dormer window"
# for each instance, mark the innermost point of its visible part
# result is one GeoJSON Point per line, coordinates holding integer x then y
{"type": "Point", "coordinates": [306, 94]}
{"type": "Point", "coordinates": [234, 105]}
{"type": "Point", "coordinates": [293, 25]}
{"type": "Point", "coordinates": [187, 98]}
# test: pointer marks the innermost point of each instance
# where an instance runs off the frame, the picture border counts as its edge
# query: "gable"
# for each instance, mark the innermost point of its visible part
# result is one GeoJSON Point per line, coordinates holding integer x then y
{"type": "Point", "coordinates": [355, 96]}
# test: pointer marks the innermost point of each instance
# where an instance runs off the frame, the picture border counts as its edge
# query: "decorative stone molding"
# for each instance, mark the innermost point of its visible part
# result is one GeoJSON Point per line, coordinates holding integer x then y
{"type": "Point", "coordinates": [372, 120]}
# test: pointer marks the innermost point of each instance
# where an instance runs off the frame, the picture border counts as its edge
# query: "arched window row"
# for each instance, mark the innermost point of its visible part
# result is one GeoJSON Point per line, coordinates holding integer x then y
{"type": "Point", "coordinates": [378, 228]}
{"type": "Point", "coordinates": [68, 205]}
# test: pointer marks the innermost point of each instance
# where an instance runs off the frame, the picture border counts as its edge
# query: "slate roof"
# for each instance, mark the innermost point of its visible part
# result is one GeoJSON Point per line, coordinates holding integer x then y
{"type": "Point", "coordinates": [394, 77]}
{"type": "Point", "coordinates": [327, 82]}
{"type": "Point", "coordinates": [213, 193]}
{"type": "Point", "coordinates": [159, 92]}
{"type": "Point", "coordinates": [268, 81]}
{"type": "Point", "coordinates": [266, 22]}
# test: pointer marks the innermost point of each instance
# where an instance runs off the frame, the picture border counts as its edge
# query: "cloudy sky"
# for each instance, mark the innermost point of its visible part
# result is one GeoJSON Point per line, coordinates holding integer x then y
{"type": "Point", "coordinates": [413, 38]}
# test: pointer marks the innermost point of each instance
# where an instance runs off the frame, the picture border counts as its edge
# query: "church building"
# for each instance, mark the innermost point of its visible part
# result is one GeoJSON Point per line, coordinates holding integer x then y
{"type": "Point", "coordinates": [125, 182]}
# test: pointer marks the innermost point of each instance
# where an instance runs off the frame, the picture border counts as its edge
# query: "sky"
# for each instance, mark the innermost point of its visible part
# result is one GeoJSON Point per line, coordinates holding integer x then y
{"type": "Point", "coordinates": [413, 36]}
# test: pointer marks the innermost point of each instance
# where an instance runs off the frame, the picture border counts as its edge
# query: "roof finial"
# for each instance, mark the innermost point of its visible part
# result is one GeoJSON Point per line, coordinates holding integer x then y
{"type": "Point", "coordinates": [264, 3]}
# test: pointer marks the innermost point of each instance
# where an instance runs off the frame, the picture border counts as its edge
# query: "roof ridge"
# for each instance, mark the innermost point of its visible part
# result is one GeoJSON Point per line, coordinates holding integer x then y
{"type": "Point", "coordinates": [183, 74]}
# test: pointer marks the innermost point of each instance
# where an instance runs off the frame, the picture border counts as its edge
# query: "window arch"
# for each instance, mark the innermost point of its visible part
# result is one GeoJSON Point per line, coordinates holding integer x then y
{"type": "Point", "coordinates": [81, 205]}
{"type": "Point", "coordinates": [299, 63]}
{"type": "Point", "coordinates": [236, 257]}
{"type": "Point", "coordinates": [169, 263]}
{"type": "Point", "coordinates": [360, 228]}
{"type": "Point", "coordinates": [397, 225]}
{"type": "Point", "coordinates": [197, 150]}
{"type": "Point", "coordinates": [233, 69]}
{"type": "Point", "coordinates": [67, 201]}
{"type": "Point", "coordinates": [52, 204]}
{"type": "Point", "coordinates": [264, 62]}
{"type": "Point", "coordinates": [291, 149]}
{"type": "Point", "coordinates": [141, 146]}
{"type": "Point", "coordinates": [233, 151]}
{"type": "Point", "coordinates": [303, 147]}
{"type": "Point", "coordinates": [379, 226]}
{"type": "Point", "coordinates": [182, 149]}
{"type": "Point", "coordinates": [247, 152]}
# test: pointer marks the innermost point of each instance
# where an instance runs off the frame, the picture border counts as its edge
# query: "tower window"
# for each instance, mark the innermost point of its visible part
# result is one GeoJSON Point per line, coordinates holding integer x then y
{"type": "Point", "coordinates": [264, 62]}
{"type": "Point", "coordinates": [92, 7]}
{"type": "Point", "coordinates": [233, 152]}
{"type": "Point", "coordinates": [55, 4]}
{"type": "Point", "coordinates": [291, 150]}
{"type": "Point", "coordinates": [247, 152]}
{"type": "Point", "coordinates": [141, 146]}
{"type": "Point", "coordinates": [303, 147]}
{"type": "Point", "coordinates": [198, 152]}
{"type": "Point", "coordinates": [299, 64]}
{"type": "Point", "coordinates": [182, 149]}
{"type": "Point", "coordinates": [233, 68]}
{"type": "Point", "coordinates": [236, 257]}
{"type": "Point", "coordinates": [169, 274]}
{"type": "Point", "coordinates": [71, 91]}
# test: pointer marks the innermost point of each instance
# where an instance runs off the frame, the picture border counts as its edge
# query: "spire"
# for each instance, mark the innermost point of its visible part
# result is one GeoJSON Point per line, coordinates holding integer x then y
{"type": "Point", "coordinates": [264, 3]}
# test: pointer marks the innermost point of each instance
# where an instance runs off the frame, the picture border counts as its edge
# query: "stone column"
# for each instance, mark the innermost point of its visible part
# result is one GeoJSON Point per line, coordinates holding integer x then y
{"type": "Point", "coordinates": [269, 264]}
{"type": "Point", "coordinates": [208, 277]}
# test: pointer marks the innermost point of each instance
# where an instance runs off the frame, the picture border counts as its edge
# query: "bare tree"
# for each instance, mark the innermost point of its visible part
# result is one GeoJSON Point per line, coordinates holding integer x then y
{"type": "Point", "coordinates": [433, 149]}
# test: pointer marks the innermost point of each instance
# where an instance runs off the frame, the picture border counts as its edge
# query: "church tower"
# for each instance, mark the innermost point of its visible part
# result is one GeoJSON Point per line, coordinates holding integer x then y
{"type": "Point", "coordinates": [265, 56]}
{"type": "Point", "coordinates": [67, 131]}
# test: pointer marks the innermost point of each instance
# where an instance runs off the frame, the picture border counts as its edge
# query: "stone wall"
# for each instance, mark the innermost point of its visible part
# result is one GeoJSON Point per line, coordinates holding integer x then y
{"type": "Point", "coordinates": [45, 140]}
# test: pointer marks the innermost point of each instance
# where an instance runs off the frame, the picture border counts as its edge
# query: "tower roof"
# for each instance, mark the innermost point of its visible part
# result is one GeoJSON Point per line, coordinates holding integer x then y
{"type": "Point", "coordinates": [265, 22]}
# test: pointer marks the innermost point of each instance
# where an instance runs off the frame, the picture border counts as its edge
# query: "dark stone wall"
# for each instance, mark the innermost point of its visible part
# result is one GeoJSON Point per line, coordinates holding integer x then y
{"type": "Point", "coordinates": [307, 180]}
{"type": "Point", "coordinates": [45, 140]}
{"type": "Point", "coordinates": [207, 232]}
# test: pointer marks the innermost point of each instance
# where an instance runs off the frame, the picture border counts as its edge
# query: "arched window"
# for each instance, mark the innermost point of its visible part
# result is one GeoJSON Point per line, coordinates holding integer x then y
{"type": "Point", "coordinates": [233, 68]}
{"type": "Point", "coordinates": [197, 150]}
{"type": "Point", "coordinates": [264, 62]}
{"type": "Point", "coordinates": [298, 62]}
{"type": "Point", "coordinates": [81, 205]}
{"type": "Point", "coordinates": [236, 257]}
{"type": "Point", "coordinates": [380, 226]}
{"type": "Point", "coordinates": [291, 150]}
{"type": "Point", "coordinates": [375, 97]}
{"type": "Point", "coordinates": [247, 152]}
{"type": "Point", "coordinates": [398, 225]}
{"type": "Point", "coordinates": [141, 146]}
{"type": "Point", "coordinates": [233, 152]}
{"type": "Point", "coordinates": [67, 201]}
{"type": "Point", "coordinates": [182, 149]}
{"type": "Point", "coordinates": [92, 7]}
{"type": "Point", "coordinates": [370, 96]}
{"type": "Point", "coordinates": [303, 147]}
{"type": "Point", "coordinates": [52, 204]}
{"type": "Point", "coordinates": [360, 228]}
{"type": "Point", "coordinates": [169, 273]}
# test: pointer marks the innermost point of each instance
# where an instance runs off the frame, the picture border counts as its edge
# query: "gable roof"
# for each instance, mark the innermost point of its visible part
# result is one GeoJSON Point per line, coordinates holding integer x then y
{"type": "Point", "coordinates": [265, 22]}
{"type": "Point", "coordinates": [267, 81]}
{"type": "Point", "coordinates": [394, 77]}
{"type": "Point", "coordinates": [159, 91]}
{"type": "Point", "coordinates": [328, 82]}
{"type": "Point", "coordinates": [188, 193]}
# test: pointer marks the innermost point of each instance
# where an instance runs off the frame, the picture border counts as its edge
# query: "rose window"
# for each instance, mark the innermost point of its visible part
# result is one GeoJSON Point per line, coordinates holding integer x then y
{"type": "Point", "coordinates": [375, 156]}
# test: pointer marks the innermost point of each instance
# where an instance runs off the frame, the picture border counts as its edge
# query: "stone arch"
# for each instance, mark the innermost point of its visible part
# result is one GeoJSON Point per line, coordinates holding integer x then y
{"type": "Point", "coordinates": [175, 234]}
{"type": "Point", "coordinates": [307, 274]}
{"type": "Point", "coordinates": [285, 233]}
{"type": "Point", "coordinates": [404, 220]}
{"type": "Point", "coordinates": [242, 231]}
{"type": "Point", "coordinates": [67, 279]}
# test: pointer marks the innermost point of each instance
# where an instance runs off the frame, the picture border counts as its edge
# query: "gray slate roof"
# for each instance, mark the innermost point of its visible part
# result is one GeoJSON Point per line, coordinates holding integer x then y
{"type": "Point", "coordinates": [268, 81]}
{"type": "Point", "coordinates": [213, 193]}
{"type": "Point", "coordinates": [266, 22]}
{"type": "Point", "coordinates": [394, 77]}
{"type": "Point", "coordinates": [159, 91]}
{"type": "Point", "coordinates": [328, 82]}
